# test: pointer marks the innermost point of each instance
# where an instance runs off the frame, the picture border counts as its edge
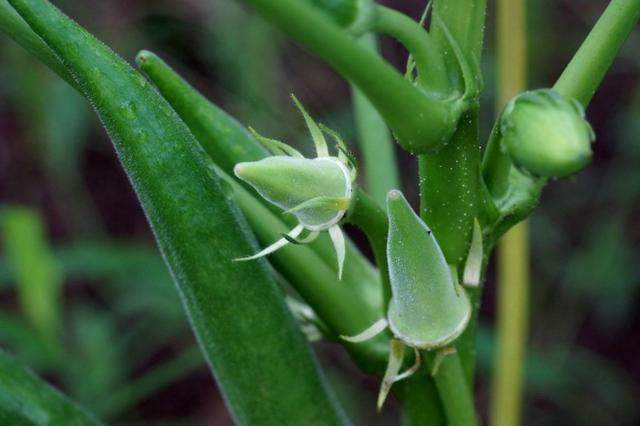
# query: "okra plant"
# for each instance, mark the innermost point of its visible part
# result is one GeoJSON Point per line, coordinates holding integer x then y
{"type": "Point", "coordinates": [214, 192]}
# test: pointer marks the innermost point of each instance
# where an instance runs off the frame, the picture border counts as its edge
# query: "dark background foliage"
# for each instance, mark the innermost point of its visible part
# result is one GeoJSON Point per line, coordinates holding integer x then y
{"type": "Point", "coordinates": [120, 343]}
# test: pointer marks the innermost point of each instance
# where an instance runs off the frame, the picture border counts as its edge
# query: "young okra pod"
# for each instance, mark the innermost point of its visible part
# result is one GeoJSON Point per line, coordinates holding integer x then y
{"type": "Point", "coordinates": [428, 308]}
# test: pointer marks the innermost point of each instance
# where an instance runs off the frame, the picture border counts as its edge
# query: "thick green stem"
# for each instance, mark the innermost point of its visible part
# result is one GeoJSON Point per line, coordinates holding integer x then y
{"type": "Point", "coordinates": [465, 20]}
{"type": "Point", "coordinates": [375, 141]}
{"type": "Point", "coordinates": [455, 394]}
{"type": "Point", "coordinates": [513, 253]}
{"type": "Point", "coordinates": [449, 186]}
{"type": "Point", "coordinates": [420, 402]}
{"type": "Point", "coordinates": [421, 123]}
{"type": "Point", "coordinates": [583, 75]}
{"type": "Point", "coordinates": [432, 72]}
{"type": "Point", "coordinates": [449, 183]}
{"type": "Point", "coordinates": [449, 189]}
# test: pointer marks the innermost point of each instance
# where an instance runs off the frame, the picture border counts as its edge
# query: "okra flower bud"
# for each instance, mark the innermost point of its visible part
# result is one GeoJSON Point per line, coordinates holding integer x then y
{"type": "Point", "coordinates": [317, 191]}
{"type": "Point", "coordinates": [428, 308]}
{"type": "Point", "coordinates": [546, 134]}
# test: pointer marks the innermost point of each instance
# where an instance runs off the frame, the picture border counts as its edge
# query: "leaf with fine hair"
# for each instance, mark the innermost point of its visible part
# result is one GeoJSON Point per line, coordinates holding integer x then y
{"type": "Point", "coordinates": [265, 370]}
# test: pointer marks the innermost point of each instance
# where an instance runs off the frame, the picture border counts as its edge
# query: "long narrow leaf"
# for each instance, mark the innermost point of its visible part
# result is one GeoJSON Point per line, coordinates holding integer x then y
{"type": "Point", "coordinates": [27, 400]}
{"type": "Point", "coordinates": [265, 369]}
{"type": "Point", "coordinates": [34, 269]}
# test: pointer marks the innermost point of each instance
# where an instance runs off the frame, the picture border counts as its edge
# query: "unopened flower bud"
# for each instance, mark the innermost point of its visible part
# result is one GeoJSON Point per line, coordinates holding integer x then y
{"type": "Point", "coordinates": [316, 191]}
{"type": "Point", "coordinates": [546, 134]}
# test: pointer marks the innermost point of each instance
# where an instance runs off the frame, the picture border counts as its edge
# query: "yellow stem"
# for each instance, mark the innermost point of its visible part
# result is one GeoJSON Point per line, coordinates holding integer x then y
{"type": "Point", "coordinates": [513, 250]}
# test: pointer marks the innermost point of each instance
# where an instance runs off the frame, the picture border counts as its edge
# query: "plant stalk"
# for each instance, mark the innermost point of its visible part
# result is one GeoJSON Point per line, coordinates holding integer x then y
{"type": "Point", "coordinates": [585, 72]}
{"type": "Point", "coordinates": [421, 122]}
{"type": "Point", "coordinates": [513, 251]}
{"type": "Point", "coordinates": [449, 188]}
{"type": "Point", "coordinates": [432, 72]}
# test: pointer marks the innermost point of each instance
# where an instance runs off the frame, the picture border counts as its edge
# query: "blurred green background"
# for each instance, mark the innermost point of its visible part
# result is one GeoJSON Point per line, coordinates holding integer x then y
{"type": "Point", "coordinates": [86, 301]}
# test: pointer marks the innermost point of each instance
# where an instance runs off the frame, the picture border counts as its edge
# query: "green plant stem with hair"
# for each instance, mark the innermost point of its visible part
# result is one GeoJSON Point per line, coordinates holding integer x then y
{"type": "Point", "coordinates": [404, 106]}
{"type": "Point", "coordinates": [449, 188]}
{"type": "Point", "coordinates": [513, 254]}
{"type": "Point", "coordinates": [585, 72]}
{"type": "Point", "coordinates": [432, 71]}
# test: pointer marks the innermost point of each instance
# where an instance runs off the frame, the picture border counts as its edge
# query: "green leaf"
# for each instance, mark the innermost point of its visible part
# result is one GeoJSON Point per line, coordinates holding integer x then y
{"type": "Point", "coordinates": [261, 361]}
{"type": "Point", "coordinates": [27, 400]}
{"type": "Point", "coordinates": [34, 268]}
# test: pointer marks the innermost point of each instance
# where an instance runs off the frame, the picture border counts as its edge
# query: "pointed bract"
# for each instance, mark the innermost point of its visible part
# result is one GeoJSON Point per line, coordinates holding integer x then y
{"type": "Point", "coordinates": [396, 356]}
{"type": "Point", "coordinates": [371, 332]}
{"type": "Point", "coordinates": [473, 265]}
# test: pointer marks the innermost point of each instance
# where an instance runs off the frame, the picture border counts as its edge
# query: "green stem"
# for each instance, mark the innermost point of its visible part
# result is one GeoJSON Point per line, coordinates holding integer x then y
{"type": "Point", "coordinates": [465, 19]}
{"type": "Point", "coordinates": [455, 394]}
{"type": "Point", "coordinates": [513, 254]}
{"type": "Point", "coordinates": [513, 292]}
{"type": "Point", "coordinates": [449, 188]}
{"type": "Point", "coordinates": [420, 402]}
{"type": "Point", "coordinates": [375, 141]}
{"type": "Point", "coordinates": [432, 72]}
{"type": "Point", "coordinates": [420, 122]}
{"type": "Point", "coordinates": [367, 215]}
{"type": "Point", "coordinates": [589, 65]}
{"type": "Point", "coordinates": [449, 184]}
